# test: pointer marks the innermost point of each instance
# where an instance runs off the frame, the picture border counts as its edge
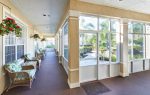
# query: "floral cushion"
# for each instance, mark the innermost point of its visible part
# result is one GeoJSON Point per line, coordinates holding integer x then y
{"type": "Point", "coordinates": [13, 67]}
{"type": "Point", "coordinates": [23, 77]}
{"type": "Point", "coordinates": [30, 72]}
{"type": "Point", "coordinates": [33, 63]}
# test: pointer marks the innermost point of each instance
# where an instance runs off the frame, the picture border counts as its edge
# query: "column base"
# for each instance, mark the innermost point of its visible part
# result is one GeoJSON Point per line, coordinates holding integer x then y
{"type": "Point", "coordinates": [73, 85]}
{"type": "Point", "coordinates": [123, 74]}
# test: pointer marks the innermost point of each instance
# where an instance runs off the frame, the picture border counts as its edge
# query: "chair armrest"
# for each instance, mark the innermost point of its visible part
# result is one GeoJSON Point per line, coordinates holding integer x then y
{"type": "Point", "coordinates": [33, 60]}
{"type": "Point", "coordinates": [38, 57]}
{"type": "Point", "coordinates": [29, 67]}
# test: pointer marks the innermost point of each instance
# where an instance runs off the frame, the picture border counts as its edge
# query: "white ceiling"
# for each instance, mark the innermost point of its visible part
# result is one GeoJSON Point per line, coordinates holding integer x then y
{"type": "Point", "coordinates": [142, 6]}
{"type": "Point", "coordinates": [34, 10]}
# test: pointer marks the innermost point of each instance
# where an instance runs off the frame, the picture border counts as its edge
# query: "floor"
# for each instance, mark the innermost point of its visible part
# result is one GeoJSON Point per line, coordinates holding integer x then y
{"type": "Point", "coordinates": [52, 80]}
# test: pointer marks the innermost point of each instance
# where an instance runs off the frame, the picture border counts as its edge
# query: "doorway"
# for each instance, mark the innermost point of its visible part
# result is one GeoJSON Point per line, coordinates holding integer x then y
{"type": "Point", "coordinates": [88, 56]}
{"type": "Point", "coordinates": [98, 56]}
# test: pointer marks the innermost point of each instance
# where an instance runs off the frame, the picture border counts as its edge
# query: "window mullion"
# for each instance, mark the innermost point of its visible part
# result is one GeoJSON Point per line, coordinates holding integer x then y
{"type": "Point", "coordinates": [109, 37]}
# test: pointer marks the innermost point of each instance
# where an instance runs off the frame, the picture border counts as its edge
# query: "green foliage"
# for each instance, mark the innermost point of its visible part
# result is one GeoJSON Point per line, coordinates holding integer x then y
{"type": "Point", "coordinates": [137, 28]}
{"type": "Point", "coordinates": [50, 46]}
{"type": "Point", "coordinates": [138, 41]}
{"type": "Point", "coordinates": [113, 58]}
{"type": "Point", "coordinates": [9, 25]}
{"type": "Point", "coordinates": [137, 56]}
{"type": "Point", "coordinates": [35, 36]}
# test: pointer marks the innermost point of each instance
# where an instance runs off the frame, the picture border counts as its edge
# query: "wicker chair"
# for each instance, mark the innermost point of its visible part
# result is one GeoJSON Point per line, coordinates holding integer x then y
{"type": "Point", "coordinates": [31, 60]}
{"type": "Point", "coordinates": [40, 53]}
{"type": "Point", "coordinates": [19, 75]}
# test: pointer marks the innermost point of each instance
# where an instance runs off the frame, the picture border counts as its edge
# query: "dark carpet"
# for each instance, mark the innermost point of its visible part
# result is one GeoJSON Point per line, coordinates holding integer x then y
{"type": "Point", "coordinates": [95, 88]}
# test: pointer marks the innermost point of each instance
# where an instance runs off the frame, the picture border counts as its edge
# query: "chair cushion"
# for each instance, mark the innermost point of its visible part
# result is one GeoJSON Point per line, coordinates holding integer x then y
{"type": "Point", "coordinates": [22, 77]}
{"type": "Point", "coordinates": [13, 67]}
{"type": "Point", "coordinates": [19, 61]}
{"type": "Point", "coordinates": [30, 72]}
{"type": "Point", "coordinates": [28, 63]}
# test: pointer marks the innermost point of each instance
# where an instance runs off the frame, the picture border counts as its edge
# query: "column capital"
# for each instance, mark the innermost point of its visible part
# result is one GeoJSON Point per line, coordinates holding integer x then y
{"type": "Point", "coordinates": [124, 21]}
{"type": "Point", "coordinates": [73, 13]}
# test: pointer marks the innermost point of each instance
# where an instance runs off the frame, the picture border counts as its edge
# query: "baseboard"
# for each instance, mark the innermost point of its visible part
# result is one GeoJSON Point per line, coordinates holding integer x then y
{"type": "Point", "coordinates": [123, 74]}
{"type": "Point", "coordinates": [73, 85]}
{"type": "Point", "coordinates": [88, 80]}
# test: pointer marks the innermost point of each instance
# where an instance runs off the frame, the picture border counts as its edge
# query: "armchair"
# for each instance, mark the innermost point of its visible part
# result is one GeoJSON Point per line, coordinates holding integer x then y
{"type": "Point", "coordinates": [19, 75]}
{"type": "Point", "coordinates": [32, 60]}
{"type": "Point", "coordinates": [40, 53]}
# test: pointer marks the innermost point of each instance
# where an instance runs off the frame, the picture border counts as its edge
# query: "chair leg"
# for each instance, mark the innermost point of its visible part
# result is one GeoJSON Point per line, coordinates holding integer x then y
{"type": "Point", "coordinates": [9, 87]}
{"type": "Point", "coordinates": [30, 85]}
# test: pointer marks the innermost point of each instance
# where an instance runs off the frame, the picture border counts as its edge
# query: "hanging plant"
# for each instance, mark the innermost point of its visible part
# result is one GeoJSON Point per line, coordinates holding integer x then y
{"type": "Point", "coordinates": [43, 39]}
{"type": "Point", "coordinates": [9, 25]}
{"type": "Point", "coordinates": [35, 36]}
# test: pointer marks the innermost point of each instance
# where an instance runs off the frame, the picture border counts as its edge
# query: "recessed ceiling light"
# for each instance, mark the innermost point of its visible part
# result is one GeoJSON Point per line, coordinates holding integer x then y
{"type": "Point", "coordinates": [44, 14]}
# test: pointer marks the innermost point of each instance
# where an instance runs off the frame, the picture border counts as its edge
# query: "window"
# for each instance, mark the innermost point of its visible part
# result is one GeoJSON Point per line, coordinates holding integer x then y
{"type": "Point", "coordinates": [10, 54]}
{"type": "Point", "coordinates": [104, 40]}
{"type": "Point", "coordinates": [138, 37]}
{"type": "Point", "coordinates": [107, 39]}
{"type": "Point", "coordinates": [65, 40]}
{"type": "Point", "coordinates": [88, 23]}
{"type": "Point", "coordinates": [14, 46]}
{"type": "Point", "coordinates": [147, 39]}
{"type": "Point", "coordinates": [109, 44]}
{"type": "Point", "coordinates": [88, 49]}
{"type": "Point", "coordinates": [20, 51]}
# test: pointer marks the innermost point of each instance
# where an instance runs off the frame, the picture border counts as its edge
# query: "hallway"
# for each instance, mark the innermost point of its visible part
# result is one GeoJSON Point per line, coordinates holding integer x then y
{"type": "Point", "coordinates": [51, 79]}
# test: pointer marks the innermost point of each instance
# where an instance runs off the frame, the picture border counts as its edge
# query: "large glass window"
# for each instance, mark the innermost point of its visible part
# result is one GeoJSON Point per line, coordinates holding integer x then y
{"type": "Point", "coordinates": [109, 38]}
{"type": "Point", "coordinates": [147, 39]}
{"type": "Point", "coordinates": [88, 49]}
{"type": "Point", "coordinates": [65, 40]}
{"type": "Point", "coordinates": [104, 40]}
{"type": "Point", "coordinates": [108, 43]}
{"type": "Point", "coordinates": [136, 40]}
{"type": "Point", "coordinates": [88, 23]}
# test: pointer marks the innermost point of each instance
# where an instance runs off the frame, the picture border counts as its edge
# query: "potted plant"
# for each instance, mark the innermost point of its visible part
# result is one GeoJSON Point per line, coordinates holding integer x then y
{"type": "Point", "coordinates": [43, 39]}
{"type": "Point", "coordinates": [35, 36]}
{"type": "Point", "coordinates": [9, 25]}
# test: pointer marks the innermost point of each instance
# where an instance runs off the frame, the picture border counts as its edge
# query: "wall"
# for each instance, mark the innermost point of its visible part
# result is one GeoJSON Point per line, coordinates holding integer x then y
{"type": "Point", "coordinates": [29, 42]}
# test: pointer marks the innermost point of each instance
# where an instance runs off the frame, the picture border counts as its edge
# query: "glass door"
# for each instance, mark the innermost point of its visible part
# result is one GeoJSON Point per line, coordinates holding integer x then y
{"type": "Point", "coordinates": [108, 47]}
{"type": "Point", "coordinates": [88, 56]}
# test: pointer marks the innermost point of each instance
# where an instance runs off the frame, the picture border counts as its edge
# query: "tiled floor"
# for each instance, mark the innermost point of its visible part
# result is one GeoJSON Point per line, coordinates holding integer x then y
{"type": "Point", "coordinates": [52, 80]}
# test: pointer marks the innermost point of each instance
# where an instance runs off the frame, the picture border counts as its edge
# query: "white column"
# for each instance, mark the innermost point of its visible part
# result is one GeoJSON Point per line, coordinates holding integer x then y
{"type": "Point", "coordinates": [124, 69]}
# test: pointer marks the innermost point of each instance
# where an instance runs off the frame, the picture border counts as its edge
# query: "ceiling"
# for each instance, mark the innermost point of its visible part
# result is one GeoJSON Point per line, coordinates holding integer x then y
{"type": "Point", "coordinates": [35, 9]}
{"type": "Point", "coordinates": [142, 6]}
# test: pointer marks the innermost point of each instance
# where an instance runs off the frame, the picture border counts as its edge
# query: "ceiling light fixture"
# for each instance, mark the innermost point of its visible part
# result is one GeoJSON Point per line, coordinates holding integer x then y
{"type": "Point", "coordinates": [44, 14]}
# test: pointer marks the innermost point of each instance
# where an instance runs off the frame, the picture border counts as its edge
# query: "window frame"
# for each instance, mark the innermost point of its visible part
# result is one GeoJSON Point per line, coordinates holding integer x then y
{"type": "Point", "coordinates": [7, 13]}
{"type": "Point", "coordinates": [98, 32]}
{"type": "Point", "coordinates": [144, 34]}
{"type": "Point", "coordinates": [62, 34]}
